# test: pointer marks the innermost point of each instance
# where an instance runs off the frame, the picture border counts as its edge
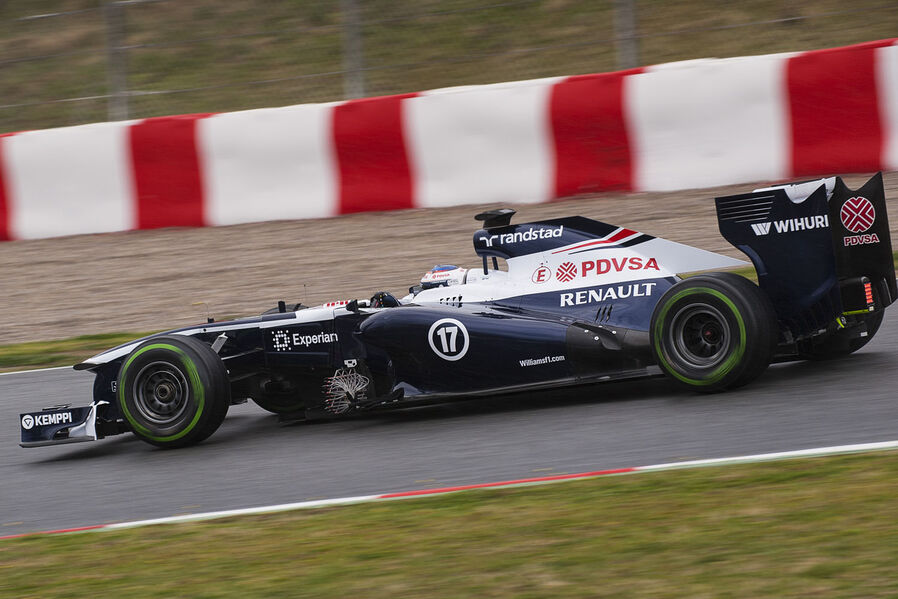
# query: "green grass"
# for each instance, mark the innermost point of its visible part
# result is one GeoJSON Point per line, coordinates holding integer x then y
{"type": "Point", "coordinates": [820, 528]}
{"type": "Point", "coordinates": [218, 48]}
{"type": "Point", "coordinates": [63, 352]}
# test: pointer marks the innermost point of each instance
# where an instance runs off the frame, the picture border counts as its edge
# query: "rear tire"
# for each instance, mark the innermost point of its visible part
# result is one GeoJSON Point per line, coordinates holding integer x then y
{"type": "Point", "coordinates": [713, 332]}
{"type": "Point", "coordinates": [173, 391]}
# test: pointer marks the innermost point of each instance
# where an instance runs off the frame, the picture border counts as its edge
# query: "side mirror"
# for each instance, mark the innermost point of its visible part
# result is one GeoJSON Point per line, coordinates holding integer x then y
{"type": "Point", "coordinates": [353, 305]}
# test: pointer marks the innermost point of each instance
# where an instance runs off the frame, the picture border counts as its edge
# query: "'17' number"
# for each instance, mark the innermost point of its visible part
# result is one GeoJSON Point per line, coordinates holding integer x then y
{"type": "Point", "coordinates": [451, 332]}
{"type": "Point", "coordinates": [449, 339]}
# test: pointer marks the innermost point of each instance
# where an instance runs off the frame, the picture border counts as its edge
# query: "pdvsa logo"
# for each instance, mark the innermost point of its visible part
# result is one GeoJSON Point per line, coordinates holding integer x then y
{"type": "Point", "coordinates": [566, 272]}
{"type": "Point", "coordinates": [858, 215]}
{"type": "Point", "coordinates": [569, 270]}
{"type": "Point", "coordinates": [605, 265]}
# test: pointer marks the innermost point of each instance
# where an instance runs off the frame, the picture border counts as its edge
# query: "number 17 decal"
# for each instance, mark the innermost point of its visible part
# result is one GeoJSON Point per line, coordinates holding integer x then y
{"type": "Point", "coordinates": [448, 339]}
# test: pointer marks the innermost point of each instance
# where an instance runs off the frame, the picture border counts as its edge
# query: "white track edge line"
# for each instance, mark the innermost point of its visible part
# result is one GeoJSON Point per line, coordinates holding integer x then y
{"type": "Point", "coordinates": [35, 370]}
{"type": "Point", "coordinates": [782, 455]}
{"type": "Point", "coordinates": [250, 511]}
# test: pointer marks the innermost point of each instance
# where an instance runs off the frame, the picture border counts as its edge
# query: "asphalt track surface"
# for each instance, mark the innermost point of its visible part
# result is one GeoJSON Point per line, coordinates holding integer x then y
{"type": "Point", "coordinates": [253, 461]}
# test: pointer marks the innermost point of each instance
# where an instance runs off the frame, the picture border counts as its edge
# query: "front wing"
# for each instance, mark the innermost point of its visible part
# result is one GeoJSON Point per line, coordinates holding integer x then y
{"type": "Point", "coordinates": [59, 425]}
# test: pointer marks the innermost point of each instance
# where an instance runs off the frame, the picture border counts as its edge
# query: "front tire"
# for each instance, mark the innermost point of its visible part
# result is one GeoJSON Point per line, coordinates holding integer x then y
{"type": "Point", "coordinates": [173, 391]}
{"type": "Point", "coordinates": [713, 332]}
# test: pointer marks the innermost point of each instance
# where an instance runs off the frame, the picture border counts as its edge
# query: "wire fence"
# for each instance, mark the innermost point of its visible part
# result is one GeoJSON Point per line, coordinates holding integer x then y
{"type": "Point", "coordinates": [66, 62]}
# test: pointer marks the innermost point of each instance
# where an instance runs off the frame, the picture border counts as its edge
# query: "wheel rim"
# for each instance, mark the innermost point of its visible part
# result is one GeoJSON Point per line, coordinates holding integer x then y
{"type": "Point", "coordinates": [700, 335]}
{"type": "Point", "coordinates": [161, 393]}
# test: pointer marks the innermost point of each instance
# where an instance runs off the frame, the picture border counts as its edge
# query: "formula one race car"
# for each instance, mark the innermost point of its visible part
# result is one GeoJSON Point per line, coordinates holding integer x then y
{"type": "Point", "coordinates": [579, 301]}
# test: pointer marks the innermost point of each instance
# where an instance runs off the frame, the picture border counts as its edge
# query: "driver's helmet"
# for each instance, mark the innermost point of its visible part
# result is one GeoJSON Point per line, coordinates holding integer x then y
{"type": "Point", "coordinates": [383, 299]}
{"type": "Point", "coordinates": [443, 275]}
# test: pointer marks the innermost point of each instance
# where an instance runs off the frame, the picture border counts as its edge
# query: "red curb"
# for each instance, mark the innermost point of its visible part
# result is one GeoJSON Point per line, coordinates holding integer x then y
{"type": "Point", "coordinates": [521, 481]}
{"type": "Point", "coordinates": [54, 532]}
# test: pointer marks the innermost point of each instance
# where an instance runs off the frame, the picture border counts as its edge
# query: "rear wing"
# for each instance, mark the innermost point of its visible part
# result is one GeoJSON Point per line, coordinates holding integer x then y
{"type": "Point", "coordinates": [821, 250]}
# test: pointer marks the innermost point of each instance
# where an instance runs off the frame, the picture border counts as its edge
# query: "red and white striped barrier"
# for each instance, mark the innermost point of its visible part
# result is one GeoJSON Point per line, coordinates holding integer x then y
{"type": "Point", "coordinates": [691, 124]}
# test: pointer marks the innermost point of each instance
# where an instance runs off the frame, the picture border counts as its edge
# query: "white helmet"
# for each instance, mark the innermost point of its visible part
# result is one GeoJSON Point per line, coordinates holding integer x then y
{"type": "Point", "coordinates": [443, 275]}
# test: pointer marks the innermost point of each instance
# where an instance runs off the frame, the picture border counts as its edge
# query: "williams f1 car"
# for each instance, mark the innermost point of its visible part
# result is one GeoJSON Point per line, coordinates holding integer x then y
{"type": "Point", "coordinates": [558, 302]}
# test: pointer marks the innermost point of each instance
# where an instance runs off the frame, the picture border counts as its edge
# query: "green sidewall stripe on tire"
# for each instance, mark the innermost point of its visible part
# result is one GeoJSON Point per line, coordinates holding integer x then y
{"type": "Point", "coordinates": [728, 364]}
{"type": "Point", "coordinates": [195, 383]}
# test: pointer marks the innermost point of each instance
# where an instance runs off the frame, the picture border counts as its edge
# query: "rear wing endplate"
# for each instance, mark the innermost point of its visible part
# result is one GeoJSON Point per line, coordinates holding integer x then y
{"type": "Point", "coordinates": [809, 241]}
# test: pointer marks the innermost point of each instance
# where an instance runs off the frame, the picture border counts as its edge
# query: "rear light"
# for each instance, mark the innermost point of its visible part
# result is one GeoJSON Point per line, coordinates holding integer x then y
{"type": "Point", "coordinates": [868, 295]}
{"type": "Point", "coordinates": [857, 296]}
